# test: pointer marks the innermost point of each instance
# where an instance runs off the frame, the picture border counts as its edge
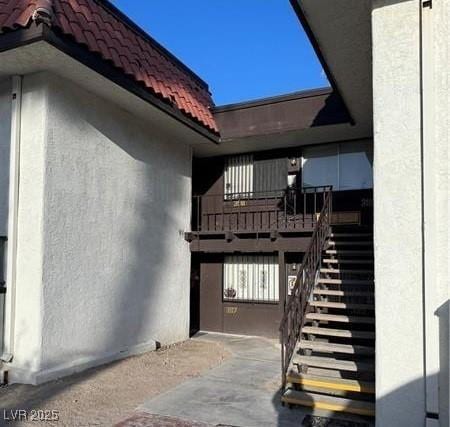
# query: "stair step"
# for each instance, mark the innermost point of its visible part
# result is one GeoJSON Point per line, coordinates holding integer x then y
{"type": "Point", "coordinates": [342, 305]}
{"type": "Point", "coordinates": [347, 252]}
{"type": "Point", "coordinates": [328, 403]}
{"type": "Point", "coordinates": [333, 293]}
{"type": "Point", "coordinates": [326, 347]}
{"type": "Point", "coordinates": [331, 363]}
{"type": "Point", "coordinates": [334, 373]}
{"type": "Point", "coordinates": [343, 333]}
{"type": "Point", "coordinates": [347, 243]}
{"type": "Point", "coordinates": [340, 318]}
{"type": "Point", "coordinates": [345, 281]}
{"type": "Point", "coordinates": [331, 383]}
{"type": "Point", "coordinates": [338, 271]}
{"type": "Point", "coordinates": [351, 235]}
{"type": "Point", "coordinates": [347, 261]}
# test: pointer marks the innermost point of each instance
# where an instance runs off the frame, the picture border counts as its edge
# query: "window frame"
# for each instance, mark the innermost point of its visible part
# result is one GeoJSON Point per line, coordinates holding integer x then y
{"type": "Point", "coordinates": [337, 187]}
{"type": "Point", "coordinates": [238, 300]}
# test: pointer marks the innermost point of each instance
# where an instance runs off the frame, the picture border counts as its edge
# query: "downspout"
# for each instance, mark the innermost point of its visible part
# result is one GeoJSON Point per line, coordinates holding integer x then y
{"type": "Point", "coordinates": [13, 204]}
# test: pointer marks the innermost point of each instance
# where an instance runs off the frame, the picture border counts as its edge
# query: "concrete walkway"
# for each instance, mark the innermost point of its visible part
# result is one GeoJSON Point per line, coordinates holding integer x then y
{"type": "Point", "coordinates": [242, 392]}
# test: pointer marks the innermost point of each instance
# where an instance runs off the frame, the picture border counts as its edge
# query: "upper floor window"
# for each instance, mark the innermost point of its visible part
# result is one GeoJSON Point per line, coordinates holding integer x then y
{"type": "Point", "coordinates": [254, 176]}
{"type": "Point", "coordinates": [345, 166]}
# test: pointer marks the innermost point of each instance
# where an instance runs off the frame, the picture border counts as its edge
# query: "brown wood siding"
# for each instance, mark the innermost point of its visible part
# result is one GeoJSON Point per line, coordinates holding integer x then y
{"type": "Point", "coordinates": [211, 318]}
{"type": "Point", "coordinates": [240, 317]}
{"type": "Point", "coordinates": [251, 319]}
{"type": "Point", "coordinates": [249, 245]}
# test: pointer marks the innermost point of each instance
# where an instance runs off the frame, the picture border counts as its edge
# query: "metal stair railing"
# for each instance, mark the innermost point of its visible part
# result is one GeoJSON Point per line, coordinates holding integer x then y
{"type": "Point", "coordinates": [297, 304]}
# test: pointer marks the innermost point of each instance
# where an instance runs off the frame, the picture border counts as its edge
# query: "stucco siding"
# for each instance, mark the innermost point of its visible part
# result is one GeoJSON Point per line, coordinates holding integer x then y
{"type": "Point", "coordinates": [27, 316]}
{"type": "Point", "coordinates": [398, 214]}
{"type": "Point", "coordinates": [115, 204]}
{"type": "Point", "coordinates": [436, 203]}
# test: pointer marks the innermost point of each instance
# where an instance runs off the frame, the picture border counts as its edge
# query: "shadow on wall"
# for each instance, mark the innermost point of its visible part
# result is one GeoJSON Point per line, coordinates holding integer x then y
{"type": "Point", "coordinates": [403, 407]}
{"type": "Point", "coordinates": [333, 112]}
{"type": "Point", "coordinates": [138, 312]}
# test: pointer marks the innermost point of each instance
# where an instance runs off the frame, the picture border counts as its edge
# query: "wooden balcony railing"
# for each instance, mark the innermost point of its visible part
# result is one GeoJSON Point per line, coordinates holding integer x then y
{"type": "Point", "coordinates": [297, 303]}
{"type": "Point", "coordinates": [288, 210]}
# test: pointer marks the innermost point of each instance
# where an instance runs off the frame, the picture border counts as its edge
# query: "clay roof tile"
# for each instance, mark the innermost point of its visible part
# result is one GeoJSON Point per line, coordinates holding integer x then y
{"type": "Point", "coordinates": [98, 26]}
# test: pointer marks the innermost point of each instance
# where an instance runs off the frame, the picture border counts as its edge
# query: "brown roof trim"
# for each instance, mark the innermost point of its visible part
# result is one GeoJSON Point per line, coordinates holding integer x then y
{"type": "Point", "coordinates": [134, 27]}
{"type": "Point", "coordinates": [35, 33]}
{"type": "Point", "coordinates": [14, 39]}
{"type": "Point", "coordinates": [309, 93]}
{"type": "Point", "coordinates": [315, 44]}
{"type": "Point", "coordinates": [282, 114]}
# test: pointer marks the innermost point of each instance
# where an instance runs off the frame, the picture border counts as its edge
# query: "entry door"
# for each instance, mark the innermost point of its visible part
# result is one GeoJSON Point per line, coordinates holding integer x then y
{"type": "Point", "coordinates": [250, 294]}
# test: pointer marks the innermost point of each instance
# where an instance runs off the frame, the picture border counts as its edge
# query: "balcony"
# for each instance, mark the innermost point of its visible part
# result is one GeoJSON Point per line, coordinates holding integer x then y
{"type": "Point", "coordinates": [284, 211]}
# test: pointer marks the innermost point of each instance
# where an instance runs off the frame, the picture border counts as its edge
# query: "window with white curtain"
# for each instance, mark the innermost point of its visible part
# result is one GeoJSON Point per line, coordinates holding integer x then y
{"type": "Point", "coordinates": [345, 166]}
{"type": "Point", "coordinates": [251, 278]}
{"type": "Point", "coordinates": [238, 175]}
{"type": "Point", "coordinates": [246, 176]}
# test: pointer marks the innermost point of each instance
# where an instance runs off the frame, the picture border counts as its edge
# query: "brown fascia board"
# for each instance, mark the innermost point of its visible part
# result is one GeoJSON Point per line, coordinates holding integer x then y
{"type": "Point", "coordinates": [281, 114]}
{"type": "Point", "coordinates": [273, 100]}
{"type": "Point", "coordinates": [315, 44]}
{"type": "Point", "coordinates": [35, 33]}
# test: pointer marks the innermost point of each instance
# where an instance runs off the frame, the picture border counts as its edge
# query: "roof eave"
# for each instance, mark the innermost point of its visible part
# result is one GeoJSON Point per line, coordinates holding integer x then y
{"type": "Point", "coordinates": [315, 44]}
{"type": "Point", "coordinates": [35, 33]}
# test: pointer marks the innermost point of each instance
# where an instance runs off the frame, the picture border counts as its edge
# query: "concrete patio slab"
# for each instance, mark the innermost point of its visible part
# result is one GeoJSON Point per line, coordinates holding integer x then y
{"type": "Point", "coordinates": [242, 392]}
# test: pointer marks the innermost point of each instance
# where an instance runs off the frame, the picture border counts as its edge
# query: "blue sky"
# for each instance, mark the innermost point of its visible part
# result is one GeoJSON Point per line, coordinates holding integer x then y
{"type": "Point", "coordinates": [244, 49]}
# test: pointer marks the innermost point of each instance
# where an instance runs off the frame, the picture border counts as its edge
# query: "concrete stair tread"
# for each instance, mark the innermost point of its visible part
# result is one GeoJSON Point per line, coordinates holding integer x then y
{"type": "Point", "coordinates": [345, 281]}
{"type": "Point", "coordinates": [344, 271]}
{"type": "Point", "coordinates": [350, 243]}
{"type": "Point", "coordinates": [326, 347]}
{"type": "Point", "coordinates": [332, 363]}
{"type": "Point", "coordinates": [340, 318]}
{"type": "Point", "coordinates": [328, 403]}
{"type": "Point", "coordinates": [331, 383]}
{"type": "Point", "coordinates": [331, 373]}
{"type": "Point", "coordinates": [358, 252]}
{"type": "Point", "coordinates": [342, 305]}
{"type": "Point", "coordinates": [347, 261]}
{"type": "Point", "coordinates": [333, 235]}
{"type": "Point", "coordinates": [343, 333]}
{"type": "Point", "coordinates": [343, 293]}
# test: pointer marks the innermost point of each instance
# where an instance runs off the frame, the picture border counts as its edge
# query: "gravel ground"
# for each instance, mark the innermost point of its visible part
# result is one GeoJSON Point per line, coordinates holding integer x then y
{"type": "Point", "coordinates": [311, 421]}
{"type": "Point", "coordinates": [108, 394]}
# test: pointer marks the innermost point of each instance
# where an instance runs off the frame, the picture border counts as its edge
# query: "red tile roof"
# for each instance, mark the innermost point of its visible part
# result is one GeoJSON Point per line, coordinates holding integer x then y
{"type": "Point", "coordinates": [103, 30]}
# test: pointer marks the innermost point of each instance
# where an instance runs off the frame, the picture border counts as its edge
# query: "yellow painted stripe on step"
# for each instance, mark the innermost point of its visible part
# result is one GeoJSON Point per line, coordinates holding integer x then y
{"type": "Point", "coordinates": [332, 385]}
{"type": "Point", "coordinates": [329, 406]}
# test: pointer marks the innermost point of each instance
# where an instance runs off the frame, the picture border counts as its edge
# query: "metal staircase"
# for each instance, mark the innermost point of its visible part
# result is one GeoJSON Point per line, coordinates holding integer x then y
{"type": "Point", "coordinates": [328, 330]}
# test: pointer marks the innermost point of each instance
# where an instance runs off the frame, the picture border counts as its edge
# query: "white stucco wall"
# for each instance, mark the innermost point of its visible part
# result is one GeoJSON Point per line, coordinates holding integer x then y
{"type": "Point", "coordinates": [103, 267]}
{"type": "Point", "coordinates": [412, 297]}
{"type": "Point", "coordinates": [436, 42]}
{"type": "Point", "coordinates": [5, 140]}
{"type": "Point", "coordinates": [397, 209]}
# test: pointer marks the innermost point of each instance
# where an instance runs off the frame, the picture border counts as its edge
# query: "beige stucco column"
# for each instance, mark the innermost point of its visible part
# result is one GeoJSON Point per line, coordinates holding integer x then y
{"type": "Point", "coordinates": [411, 176]}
